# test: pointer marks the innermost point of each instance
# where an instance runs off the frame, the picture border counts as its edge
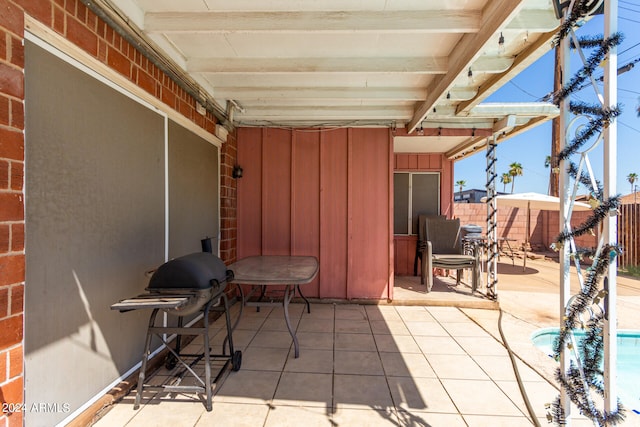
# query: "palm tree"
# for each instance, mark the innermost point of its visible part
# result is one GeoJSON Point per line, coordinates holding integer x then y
{"type": "Point", "coordinates": [632, 178]}
{"type": "Point", "coordinates": [461, 184]}
{"type": "Point", "coordinates": [505, 179]}
{"type": "Point", "coordinates": [515, 169]}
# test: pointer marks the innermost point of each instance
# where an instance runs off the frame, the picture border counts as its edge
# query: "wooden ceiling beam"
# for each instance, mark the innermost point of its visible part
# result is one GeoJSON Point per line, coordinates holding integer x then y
{"type": "Point", "coordinates": [495, 16]}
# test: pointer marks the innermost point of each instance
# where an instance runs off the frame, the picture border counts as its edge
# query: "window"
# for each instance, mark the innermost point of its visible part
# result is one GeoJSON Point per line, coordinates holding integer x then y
{"type": "Point", "coordinates": [414, 193]}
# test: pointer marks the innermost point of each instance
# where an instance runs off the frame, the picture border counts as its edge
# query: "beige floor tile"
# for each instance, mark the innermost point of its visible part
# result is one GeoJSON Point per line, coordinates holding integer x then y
{"type": "Point", "coordinates": [406, 364]}
{"type": "Point", "coordinates": [279, 339]}
{"type": "Point", "coordinates": [315, 340]}
{"type": "Point", "coordinates": [456, 366]}
{"type": "Point", "coordinates": [424, 328]}
{"type": "Point", "coordinates": [414, 314]}
{"type": "Point", "coordinates": [310, 360]}
{"type": "Point", "coordinates": [119, 414]}
{"type": "Point", "coordinates": [248, 311]}
{"type": "Point", "coordinates": [357, 363]}
{"type": "Point", "coordinates": [420, 395]}
{"type": "Point", "coordinates": [264, 358]}
{"type": "Point", "coordinates": [346, 417]}
{"type": "Point", "coordinates": [482, 346]}
{"type": "Point", "coordinates": [167, 413]}
{"type": "Point", "coordinates": [361, 391]}
{"type": "Point", "coordinates": [499, 368]}
{"type": "Point", "coordinates": [431, 419]}
{"type": "Point", "coordinates": [241, 339]}
{"type": "Point", "coordinates": [308, 324]}
{"type": "Point", "coordinates": [353, 326]}
{"type": "Point", "coordinates": [234, 415]}
{"type": "Point", "coordinates": [539, 394]}
{"type": "Point", "coordinates": [296, 416]}
{"type": "Point", "coordinates": [382, 312]}
{"type": "Point", "coordinates": [321, 311]}
{"type": "Point", "coordinates": [350, 312]}
{"type": "Point", "coordinates": [464, 329]}
{"type": "Point", "coordinates": [447, 314]}
{"type": "Point", "coordinates": [250, 322]}
{"type": "Point", "coordinates": [355, 342]}
{"type": "Point", "coordinates": [396, 343]}
{"type": "Point", "coordinates": [497, 421]}
{"type": "Point", "coordinates": [276, 324]}
{"type": "Point", "coordinates": [248, 386]}
{"type": "Point", "coordinates": [295, 310]}
{"type": "Point", "coordinates": [438, 345]}
{"type": "Point", "coordinates": [395, 327]}
{"type": "Point", "coordinates": [480, 397]}
{"type": "Point", "coordinates": [304, 389]}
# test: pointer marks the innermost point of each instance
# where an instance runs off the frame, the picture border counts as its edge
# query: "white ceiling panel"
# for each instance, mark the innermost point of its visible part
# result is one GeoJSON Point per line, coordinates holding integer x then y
{"type": "Point", "coordinates": [288, 62]}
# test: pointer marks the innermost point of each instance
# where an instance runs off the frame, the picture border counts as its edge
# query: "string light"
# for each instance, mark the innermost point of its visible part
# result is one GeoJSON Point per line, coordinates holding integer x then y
{"type": "Point", "coordinates": [501, 43]}
{"type": "Point", "coordinates": [470, 76]}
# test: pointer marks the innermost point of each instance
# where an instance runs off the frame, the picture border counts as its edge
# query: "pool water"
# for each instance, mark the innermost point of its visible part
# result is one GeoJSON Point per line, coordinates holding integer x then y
{"type": "Point", "coordinates": [628, 362]}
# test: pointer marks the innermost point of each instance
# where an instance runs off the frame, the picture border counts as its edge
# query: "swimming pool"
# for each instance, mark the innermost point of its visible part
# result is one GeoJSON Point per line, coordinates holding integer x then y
{"type": "Point", "coordinates": [628, 362]}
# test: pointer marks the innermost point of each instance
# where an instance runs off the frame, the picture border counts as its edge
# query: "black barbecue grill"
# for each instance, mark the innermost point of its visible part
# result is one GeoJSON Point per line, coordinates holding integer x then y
{"type": "Point", "coordinates": [182, 287]}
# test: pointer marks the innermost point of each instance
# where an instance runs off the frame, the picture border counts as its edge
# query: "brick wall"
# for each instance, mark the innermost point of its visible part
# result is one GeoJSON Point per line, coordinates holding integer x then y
{"type": "Point", "coordinates": [228, 189]}
{"type": "Point", "coordinates": [72, 20]}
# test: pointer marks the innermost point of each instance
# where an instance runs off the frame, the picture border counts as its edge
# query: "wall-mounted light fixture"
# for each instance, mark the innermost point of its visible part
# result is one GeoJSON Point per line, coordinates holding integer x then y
{"type": "Point", "coordinates": [237, 172]}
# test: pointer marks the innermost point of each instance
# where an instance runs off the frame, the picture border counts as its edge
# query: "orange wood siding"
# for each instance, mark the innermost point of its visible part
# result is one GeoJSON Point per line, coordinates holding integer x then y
{"type": "Point", "coordinates": [319, 193]}
{"type": "Point", "coordinates": [276, 192]}
{"type": "Point", "coordinates": [405, 252]}
{"type": "Point", "coordinates": [333, 214]}
{"type": "Point", "coordinates": [305, 198]}
{"type": "Point", "coordinates": [368, 214]}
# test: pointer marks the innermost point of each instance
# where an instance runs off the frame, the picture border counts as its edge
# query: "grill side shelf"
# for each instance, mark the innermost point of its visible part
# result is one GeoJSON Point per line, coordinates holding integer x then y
{"type": "Point", "coordinates": [150, 301]}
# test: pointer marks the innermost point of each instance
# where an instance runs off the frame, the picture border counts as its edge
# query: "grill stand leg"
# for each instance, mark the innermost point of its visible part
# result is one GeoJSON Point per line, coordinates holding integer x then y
{"type": "Point", "coordinates": [145, 357]}
{"type": "Point", "coordinates": [207, 358]}
{"type": "Point", "coordinates": [234, 357]}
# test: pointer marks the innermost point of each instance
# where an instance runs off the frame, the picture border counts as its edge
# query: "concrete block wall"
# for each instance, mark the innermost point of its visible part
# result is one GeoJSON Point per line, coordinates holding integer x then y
{"type": "Point", "coordinates": [512, 223]}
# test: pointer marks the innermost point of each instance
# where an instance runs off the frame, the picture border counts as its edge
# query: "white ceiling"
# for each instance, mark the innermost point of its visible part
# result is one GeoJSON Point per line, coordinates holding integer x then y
{"type": "Point", "coordinates": [396, 63]}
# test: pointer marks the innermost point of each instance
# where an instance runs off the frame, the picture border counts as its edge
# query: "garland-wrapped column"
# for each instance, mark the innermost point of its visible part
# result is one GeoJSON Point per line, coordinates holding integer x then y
{"type": "Point", "coordinates": [611, 223]}
{"type": "Point", "coordinates": [492, 223]}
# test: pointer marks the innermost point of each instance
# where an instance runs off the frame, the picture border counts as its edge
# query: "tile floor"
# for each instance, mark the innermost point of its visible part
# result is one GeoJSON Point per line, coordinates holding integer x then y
{"type": "Point", "coordinates": [358, 365]}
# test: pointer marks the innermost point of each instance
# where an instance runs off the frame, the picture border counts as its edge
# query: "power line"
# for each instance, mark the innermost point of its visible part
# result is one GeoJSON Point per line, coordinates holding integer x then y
{"type": "Point", "coordinates": [630, 20]}
{"type": "Point", "coordinates": [627, 126]}
{"type": "Point", "coordinates": [629, 9]}
{"type": "Point", "coordinates": [524, 91]}
{"type": "Point", "coordinates": [630, 91]}
{"type": "Point", "coordinates": [629, 48]}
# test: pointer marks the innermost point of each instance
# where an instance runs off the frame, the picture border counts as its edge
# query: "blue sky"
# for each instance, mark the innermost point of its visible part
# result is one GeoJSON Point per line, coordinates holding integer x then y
{"type": "Point", "coordinates": [531, 148]}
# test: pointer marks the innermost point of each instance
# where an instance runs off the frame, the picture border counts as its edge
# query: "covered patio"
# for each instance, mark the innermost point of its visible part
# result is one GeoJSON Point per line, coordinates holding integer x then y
{"type": "Point", "coordinates": [387, 365]}
{"type": "Point", "coordinates": [133, 129]}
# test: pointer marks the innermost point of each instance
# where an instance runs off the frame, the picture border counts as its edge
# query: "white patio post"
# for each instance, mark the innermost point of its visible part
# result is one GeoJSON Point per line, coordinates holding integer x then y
{"type": "Point", "coordinates": [564, 193]}
{"type": "Point", "coordinates": [611, 222]}
{"type": "Point", "coordinates": [492, 222]}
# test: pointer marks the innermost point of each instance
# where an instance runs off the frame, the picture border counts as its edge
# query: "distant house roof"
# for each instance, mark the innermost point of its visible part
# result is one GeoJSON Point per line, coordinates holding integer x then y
{"type": "Point", "coordinates": [630, 199]}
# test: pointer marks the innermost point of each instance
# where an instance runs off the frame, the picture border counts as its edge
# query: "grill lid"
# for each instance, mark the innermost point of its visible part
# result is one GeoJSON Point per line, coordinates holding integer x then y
{"type": "Point", "coordinates": [199, 270]}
